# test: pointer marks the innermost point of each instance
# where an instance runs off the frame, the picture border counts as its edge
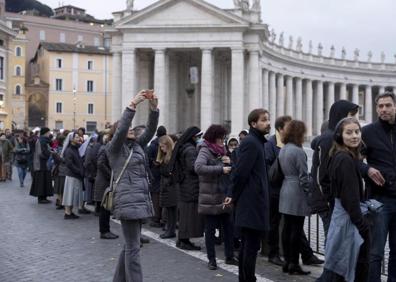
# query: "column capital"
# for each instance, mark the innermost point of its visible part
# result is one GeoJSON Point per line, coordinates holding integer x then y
{"type": "Point", "coordinates": [128, 51]}
{"type": "Point", "coordinates": [207, 50]}
{"type": "Point", "coordinates": [159, 50]}
{"type": "Point", "coordinates": [237, 50]}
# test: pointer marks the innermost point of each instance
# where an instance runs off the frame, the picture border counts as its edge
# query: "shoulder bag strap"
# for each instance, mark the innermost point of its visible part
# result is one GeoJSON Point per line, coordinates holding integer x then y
{"type": "Point", "coordinates": [124, 167]}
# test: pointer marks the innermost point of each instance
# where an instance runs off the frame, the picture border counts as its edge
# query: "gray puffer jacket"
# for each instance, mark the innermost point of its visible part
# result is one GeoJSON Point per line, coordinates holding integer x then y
{"type": "Point", "coordinates": [209, 168]}
{"type": "Point", "coordinates": [132, 198]}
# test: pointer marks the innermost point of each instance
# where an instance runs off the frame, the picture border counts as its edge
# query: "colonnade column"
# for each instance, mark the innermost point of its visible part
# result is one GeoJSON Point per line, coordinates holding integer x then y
{"type": "Point", "coordinates": [299, 99]}
{"type": "Point", "coordinates": [237, 90]}
{"type": "Point", "coordinates": [289, 96]}
{"type": "Point", "coordinates": [280, 95]}
{"type": "Point", "coordinates": [309, 102]}
{"type": "Point", "coordinates": [343, 92]}
{"type": "Point", "coordinates": [207, 89]}
{"type": "Point", "coordinates": [355, 94]}
{"type": "Point", "coordinates": [129, 83]}
{"type": "Point", "coordinates": [265, 90]}
{"type": "Point", "coordinates": [319, 106]}
{"type": "Point", "coordinates": [330, 97]}
{"type": "Point", "coordinates": [160, 85]}
{"type": "Point", "coordinates": [368, 104]}
{"type": "Point", "coordinates": [116, 98]}
{"type": "Point", "coordinates": [272, 90]}
{"type": "Point", "coordinates": [254, 80]}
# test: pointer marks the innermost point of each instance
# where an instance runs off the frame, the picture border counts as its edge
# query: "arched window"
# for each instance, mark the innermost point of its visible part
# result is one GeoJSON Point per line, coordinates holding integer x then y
{"type": "Point", "coordinates": [18, 51]}
{"type": "Point", "coordinates": [18, 90]}
{"type": "Point", "coordinates": [18, 71]}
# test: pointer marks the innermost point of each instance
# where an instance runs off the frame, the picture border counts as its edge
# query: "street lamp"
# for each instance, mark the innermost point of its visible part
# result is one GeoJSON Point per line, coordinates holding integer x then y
{"type": "Point", "coordinates": [74, 107]}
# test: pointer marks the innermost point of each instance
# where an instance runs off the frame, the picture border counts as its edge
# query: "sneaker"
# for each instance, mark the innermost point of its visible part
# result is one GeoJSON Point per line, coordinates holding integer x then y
{"type": "Point", "coordinates": [83, 211]}
{"type": "Point", "coordinates": [71, 216]}
{"type": "Point", "coordinates": [212, 265]}
{"type": "Point", "coordinates": [108, 235]}
{"type": "Point", "coordinates": [232, 261]}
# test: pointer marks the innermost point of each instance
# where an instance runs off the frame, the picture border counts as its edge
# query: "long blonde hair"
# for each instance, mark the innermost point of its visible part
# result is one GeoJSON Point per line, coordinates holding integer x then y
{"type": "Point", "coordinates": [169, 144]}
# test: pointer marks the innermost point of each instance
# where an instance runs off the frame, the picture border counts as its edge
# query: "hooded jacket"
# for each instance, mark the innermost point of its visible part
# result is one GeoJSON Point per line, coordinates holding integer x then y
{"type": "Point", "coordinates": [322, 198]}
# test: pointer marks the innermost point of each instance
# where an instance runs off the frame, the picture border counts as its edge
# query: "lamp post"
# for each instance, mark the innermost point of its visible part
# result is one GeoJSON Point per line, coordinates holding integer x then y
{"type": "Point", "coordinates": [74, 107]}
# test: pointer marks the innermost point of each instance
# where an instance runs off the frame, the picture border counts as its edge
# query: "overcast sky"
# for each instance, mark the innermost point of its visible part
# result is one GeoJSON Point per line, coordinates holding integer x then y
{"type": "Point", "coordinates": [363, 24]}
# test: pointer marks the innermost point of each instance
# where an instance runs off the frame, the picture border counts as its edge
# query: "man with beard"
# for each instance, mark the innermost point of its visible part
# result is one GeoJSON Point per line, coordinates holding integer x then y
{"type": "Point", "coordinates": [250, 192]}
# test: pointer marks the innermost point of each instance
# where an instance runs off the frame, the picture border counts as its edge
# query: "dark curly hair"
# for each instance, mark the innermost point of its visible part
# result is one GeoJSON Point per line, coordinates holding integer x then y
{"type": "Point", "coordinates": [215, 131]}
{"type": "Point", "coordinates": [294, 132]}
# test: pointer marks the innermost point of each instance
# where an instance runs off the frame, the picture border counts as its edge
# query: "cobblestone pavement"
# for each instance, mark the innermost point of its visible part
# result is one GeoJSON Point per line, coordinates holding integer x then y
{"type": "Point", "coordinates": [37, 244]}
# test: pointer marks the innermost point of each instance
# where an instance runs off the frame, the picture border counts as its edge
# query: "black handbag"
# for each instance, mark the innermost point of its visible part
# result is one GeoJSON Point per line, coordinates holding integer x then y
{"type": "Point", "coordinates": [275, 174]}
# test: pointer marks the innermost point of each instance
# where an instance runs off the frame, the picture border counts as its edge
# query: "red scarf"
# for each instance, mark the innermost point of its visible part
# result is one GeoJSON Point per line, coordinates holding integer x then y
{"type": "Point", "coordinates": [217, 149]}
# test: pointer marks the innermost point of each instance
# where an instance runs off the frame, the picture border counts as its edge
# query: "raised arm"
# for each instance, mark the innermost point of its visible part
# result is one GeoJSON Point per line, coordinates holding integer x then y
{"type": "Point", "coordinates": [125, 122]}
{"type": "Point", "coordinates": [152, 123]}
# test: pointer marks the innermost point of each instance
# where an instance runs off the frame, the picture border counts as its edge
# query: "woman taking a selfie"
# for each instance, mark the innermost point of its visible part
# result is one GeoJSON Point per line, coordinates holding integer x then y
{"type": "Point", "coordinates": [132, 201]}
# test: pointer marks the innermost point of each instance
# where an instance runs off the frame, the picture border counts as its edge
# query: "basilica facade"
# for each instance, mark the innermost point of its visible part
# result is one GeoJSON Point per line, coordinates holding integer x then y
{"type": "Point", "coordinates": [212, 65]}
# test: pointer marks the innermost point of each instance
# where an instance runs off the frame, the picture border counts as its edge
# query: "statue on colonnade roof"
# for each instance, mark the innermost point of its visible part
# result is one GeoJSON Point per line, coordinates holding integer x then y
{"type": "Point", "coordinates": [129, 4]}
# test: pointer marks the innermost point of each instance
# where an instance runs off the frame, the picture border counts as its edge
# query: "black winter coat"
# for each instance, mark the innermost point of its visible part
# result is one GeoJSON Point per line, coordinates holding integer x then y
{"type": "Point", "coordinates": [168, 190]}
{"type": "Point", "coordinates": [271, 153]}
{"type": "Point", "coordinates": [380, 142]}
{"type": "Point", "coordinates": [321, 197]}
{"type": "Point", "coordinates": [90, 161]}
{"type": "Point", "coordinates": [103, 174]}
{"type": "Point", "coordinates": [250, 184]}
{"type": "Point", "coordinates": [189, 185]}
{"type": "Point", "coordinates": [152, 151]}
{"type": "Point", "coordinates": [74, 163]}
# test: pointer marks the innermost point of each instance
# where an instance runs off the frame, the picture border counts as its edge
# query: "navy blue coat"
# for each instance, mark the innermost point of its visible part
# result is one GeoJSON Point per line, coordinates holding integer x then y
{"type": "Point", "coordinates": [250, 184]}
{"type": "Point", "coordinates": [271, 153]}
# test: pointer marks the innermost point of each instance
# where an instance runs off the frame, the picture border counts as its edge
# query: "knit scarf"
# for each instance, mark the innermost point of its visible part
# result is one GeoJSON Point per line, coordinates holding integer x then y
{"type": "Point", "coordinates": [215, 148]}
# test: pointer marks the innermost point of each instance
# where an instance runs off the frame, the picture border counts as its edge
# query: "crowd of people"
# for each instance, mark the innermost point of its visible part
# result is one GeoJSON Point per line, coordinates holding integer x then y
{"type": "Point", "coordinates": [250, 192]}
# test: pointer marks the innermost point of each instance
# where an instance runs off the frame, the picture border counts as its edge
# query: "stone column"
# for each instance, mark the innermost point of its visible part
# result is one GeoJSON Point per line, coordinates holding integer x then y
{"type": "Point", "coordinates": [207, 89]}
{"type": "Point", "coordinates": [309, 106]}
{"type": "Point", "coordinates": [299, 99]}
{"type": "Point", "coordinates": [272, 101]}
{"type": "Point", "coordinates": [265, 90]}
{"type": "Point", "coordinates": [237, 90]}
{"type": "Point", "coordinates": [368, 104]}
{"type": "Point", "coordinates": [116, 98]}
{"type": "Point", "coordinates": [355, 94]}
{"type": "Point", "coordinates": [343, 92]}
{"type": "Point", "coordinates": [319, 107]}
{"type": "Point", "coordinates": [160, 73]}
{"type": "Point", "coordinates": [330, 97]}
{"type": "Point", "coordinates": [129, 82]}
{"type": "Point", "coordinates": [254, 81]}
{"type": "Point", "coordinates": [280, 95]}
{"type": "Point", "coordinates": [289, 96]}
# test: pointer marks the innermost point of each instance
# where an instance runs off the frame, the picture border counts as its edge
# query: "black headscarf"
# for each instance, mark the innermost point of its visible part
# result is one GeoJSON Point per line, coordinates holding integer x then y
{"type": "Point", "coordinates": [185, 138]}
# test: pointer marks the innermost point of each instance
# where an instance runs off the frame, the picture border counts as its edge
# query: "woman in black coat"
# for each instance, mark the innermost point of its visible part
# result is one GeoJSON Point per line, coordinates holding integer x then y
{"type": "Point", "coordinates": [42, 179]}
{"type": "Point", "coordinates": [168, 187]}
{"type": "Point", "coordinates": [184, 155]}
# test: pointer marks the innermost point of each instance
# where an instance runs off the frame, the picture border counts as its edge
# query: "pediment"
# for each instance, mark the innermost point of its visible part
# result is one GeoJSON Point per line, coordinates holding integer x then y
{"type": "Point", "coordinates": [187, 13]}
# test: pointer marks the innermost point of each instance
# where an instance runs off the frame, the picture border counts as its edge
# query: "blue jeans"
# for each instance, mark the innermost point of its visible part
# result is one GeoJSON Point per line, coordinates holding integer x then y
{"type": "Point", "coordinates": [22, 171]}
{"type": "Point", "coordinates": [384, 224]}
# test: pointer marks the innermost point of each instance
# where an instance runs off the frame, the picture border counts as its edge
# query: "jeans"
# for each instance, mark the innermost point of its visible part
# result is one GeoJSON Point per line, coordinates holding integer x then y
{"type": "Point", "coordinates": [384, 224]}
{"type": "Point", "coordinates": [291, 237]}
{"type": "Point", "coordinates": [104, 220]}
{"type": "Point", "coordinates": [250, 245]}
{"type": "Point", "coordinates": [326, 219]}
{"type": "Point", "coordinates": [128, 268]}
{"type": "Point", "coordinates": [22, 171]}
{"type": "Point", "coordinates": [224, 222]}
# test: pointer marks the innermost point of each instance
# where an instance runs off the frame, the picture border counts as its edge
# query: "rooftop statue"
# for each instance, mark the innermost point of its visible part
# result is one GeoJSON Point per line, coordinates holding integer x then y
{"type": "Point", "coordinates": [382, 57]}
{"type": "Point", "coordinates": [356, 54]}
{"type": "Point", "coordinates": [310, 47]}
{"type": "Point", "coordinates": [299, 44]}
{"type": "Point", "coordinates": [369, 56]}
{"type": "Point", "coordinates": [256, 5]}
{"type": "Point", "coordinates": [343, 53]}
{"type": "Point", "coordinates": [332, 51]}
{"type": "Point", "coordinates": [320, 49]}
{"type": "Point", "coordinates": [273, 35]}
{"type": "Point", "coordinates": [129, 4]}
{"type": "Point", "coordinates": [281, 39]}
{"type": "Point", "coordinates": [290, 42]}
